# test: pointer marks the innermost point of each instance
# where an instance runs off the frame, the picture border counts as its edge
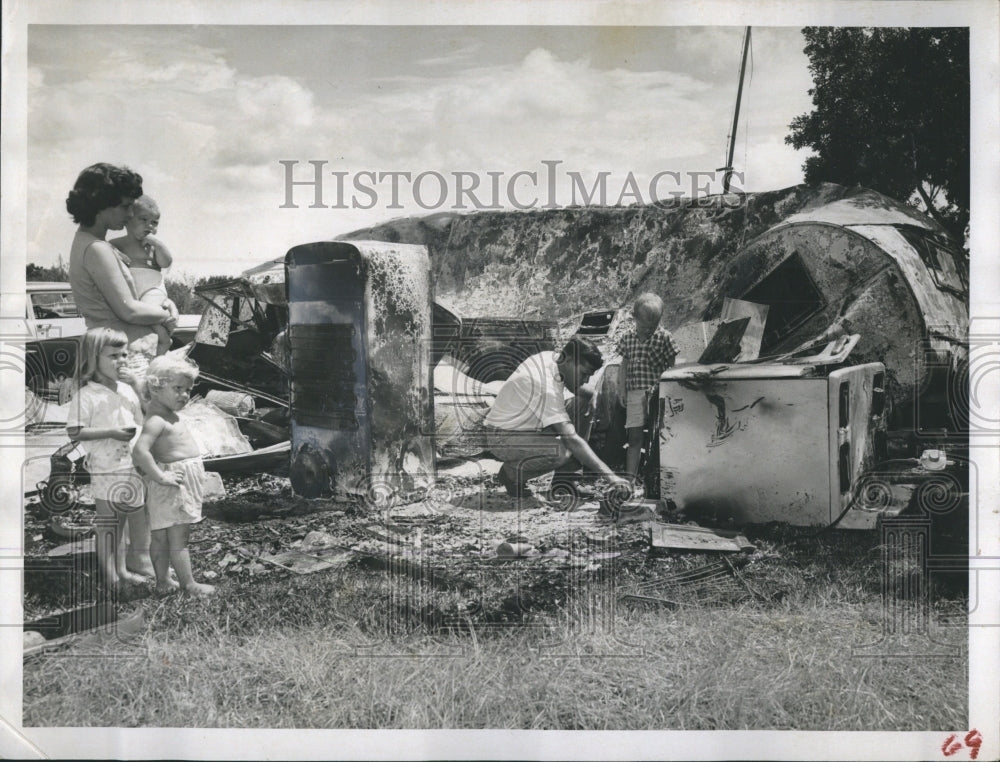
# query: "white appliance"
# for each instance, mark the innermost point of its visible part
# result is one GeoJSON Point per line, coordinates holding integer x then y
{"type": "Point", "coordinates": [781, 442]}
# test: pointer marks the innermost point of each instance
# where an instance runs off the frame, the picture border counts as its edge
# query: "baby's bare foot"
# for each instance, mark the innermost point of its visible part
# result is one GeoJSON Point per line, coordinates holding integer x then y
{"type": "Point", "coordinates": [166, 588]}
{"type": "Point", "coordinates": [143, 569]}
{"type": "Point", "coordinates": [199, 588]}
{"type": "Point", "coordinates": [135, 579]}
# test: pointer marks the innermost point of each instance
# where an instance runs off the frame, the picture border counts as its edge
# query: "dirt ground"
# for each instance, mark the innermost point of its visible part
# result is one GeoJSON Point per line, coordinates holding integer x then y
{"type": "Point", "coordinates": [261, 529]}
{"type": "Point", "coordinates": [467, 537]}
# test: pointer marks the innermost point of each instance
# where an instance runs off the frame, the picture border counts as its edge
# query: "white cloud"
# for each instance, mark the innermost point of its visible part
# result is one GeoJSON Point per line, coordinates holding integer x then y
{"type": "Point", "coordinates": [207, 137]}
{"type": "Point", "coordinates": [542, 108]}
{"type": "Point", "coordinates": [202, 135]}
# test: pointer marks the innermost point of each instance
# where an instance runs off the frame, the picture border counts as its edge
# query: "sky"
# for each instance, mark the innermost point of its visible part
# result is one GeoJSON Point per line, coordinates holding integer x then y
{"type": "Point", "coordinates": [207, 115]}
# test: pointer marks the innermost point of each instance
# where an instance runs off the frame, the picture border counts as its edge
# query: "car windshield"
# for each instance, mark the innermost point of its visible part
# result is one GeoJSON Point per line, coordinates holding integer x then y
{"type": "Point", "coordinates": [54, 304]}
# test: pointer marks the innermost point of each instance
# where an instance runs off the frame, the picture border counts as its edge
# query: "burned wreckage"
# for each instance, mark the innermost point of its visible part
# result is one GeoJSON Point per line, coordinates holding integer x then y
{"type": "Point", "coordinates": [821, 353]}
{"type": "Point", "coordinates": [864, 354]}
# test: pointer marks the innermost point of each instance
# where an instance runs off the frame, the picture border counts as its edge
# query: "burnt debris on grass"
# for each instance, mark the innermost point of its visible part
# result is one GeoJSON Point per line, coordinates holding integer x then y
{"type": "Point", "coordinates": [263, 542]}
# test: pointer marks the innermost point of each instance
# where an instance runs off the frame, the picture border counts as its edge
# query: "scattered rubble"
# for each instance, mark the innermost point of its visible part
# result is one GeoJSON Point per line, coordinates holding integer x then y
{"type": "Point", "coordinates": [77, 547]}
{"type": "Point", "coordinates": [713, 583]}
{"type": "Point", "coordinates": [467, 524]}
{"type": "Point", "coordinates": [304, 563]}
{"type": "Point", "coordinates": [693, 537]}
{"type": "Point", "coordinates": [86, 627]}
{"type": "Point", "coordinates": [508, 549]}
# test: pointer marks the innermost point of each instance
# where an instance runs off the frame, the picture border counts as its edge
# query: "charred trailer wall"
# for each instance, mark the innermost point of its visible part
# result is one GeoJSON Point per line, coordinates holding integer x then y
{"type": "Point", "coordinates": [557, 263]}
{"type": "Point", "coordinates": [822, 280]}
{"type": "Point", "coordinates": [361, 403]}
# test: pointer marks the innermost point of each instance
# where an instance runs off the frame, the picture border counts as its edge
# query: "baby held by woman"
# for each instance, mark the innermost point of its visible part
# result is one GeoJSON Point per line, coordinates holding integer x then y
{"type": "Point", "coordinates": [147, 256]}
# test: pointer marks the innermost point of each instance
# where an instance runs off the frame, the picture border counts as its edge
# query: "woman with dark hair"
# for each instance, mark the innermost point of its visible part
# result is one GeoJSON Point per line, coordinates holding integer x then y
{"type": "Point", "coordinates": [101, 200]}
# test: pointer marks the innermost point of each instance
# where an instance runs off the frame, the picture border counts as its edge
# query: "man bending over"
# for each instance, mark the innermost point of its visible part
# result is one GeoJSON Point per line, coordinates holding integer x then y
{"type": "Point", "coordinates": [541, 418]}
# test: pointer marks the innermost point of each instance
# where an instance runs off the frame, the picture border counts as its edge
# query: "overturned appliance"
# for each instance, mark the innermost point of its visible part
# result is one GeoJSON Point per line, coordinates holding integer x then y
{"type": "Point", "coordinates": [753, 443]}
{"type": "Point", "coordinates": [359, 336]}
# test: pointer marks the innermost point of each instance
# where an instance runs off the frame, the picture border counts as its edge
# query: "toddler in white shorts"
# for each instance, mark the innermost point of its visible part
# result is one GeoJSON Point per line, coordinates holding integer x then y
{"type": "Point", "coordinates": [171, 464]}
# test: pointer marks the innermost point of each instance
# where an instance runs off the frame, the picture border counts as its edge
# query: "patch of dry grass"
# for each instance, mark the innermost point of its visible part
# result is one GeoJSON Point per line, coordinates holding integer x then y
{"type": "Point", "coordinates": [352, 648]}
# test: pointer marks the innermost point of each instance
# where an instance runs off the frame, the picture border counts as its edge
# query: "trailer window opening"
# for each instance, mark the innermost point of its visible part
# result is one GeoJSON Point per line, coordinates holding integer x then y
{"type": "Point", "coordinates": [596, 323]}
{"type": "Point", "coordinates": [941, 261]}
{"type": "Point", "coordinates": [791, 298]}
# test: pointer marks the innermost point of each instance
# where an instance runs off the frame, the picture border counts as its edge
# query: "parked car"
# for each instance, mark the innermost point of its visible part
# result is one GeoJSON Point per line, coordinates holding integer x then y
{"type": "Point", "coordinates": [55, 326]}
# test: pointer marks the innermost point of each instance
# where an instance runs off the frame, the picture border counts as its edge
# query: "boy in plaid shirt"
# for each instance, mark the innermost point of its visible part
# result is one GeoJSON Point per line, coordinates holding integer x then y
{"type": "Point", "coordinates": [646, 352]}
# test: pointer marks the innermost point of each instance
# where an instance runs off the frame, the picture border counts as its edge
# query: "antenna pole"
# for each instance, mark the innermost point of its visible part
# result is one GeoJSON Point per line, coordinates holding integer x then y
{"type": "Point", "coordinates": [736, 114]}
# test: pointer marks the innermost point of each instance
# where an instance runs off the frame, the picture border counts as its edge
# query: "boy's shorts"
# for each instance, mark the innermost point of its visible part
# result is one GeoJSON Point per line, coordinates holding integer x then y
{"type": "Point", "coordinates": [635, 408]}
{"type": "Point", "coordinates": [170, 505]}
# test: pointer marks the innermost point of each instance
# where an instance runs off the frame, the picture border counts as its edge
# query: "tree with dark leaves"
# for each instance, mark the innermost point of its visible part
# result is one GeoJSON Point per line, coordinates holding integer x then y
{"type": "Point", "coordinates": [891, 113]}
{"type": "Point", "coordinates": [57, 272]}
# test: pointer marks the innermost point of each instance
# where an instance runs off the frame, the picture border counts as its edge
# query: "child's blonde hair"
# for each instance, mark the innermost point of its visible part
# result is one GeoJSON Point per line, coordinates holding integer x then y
{"type": "Point", "coordinates": [94, 341]}
{"type": "Point", "coordinates": [165, 367]}
{"type": "Point", "coordinates": [147, 203]}
{"type": "Point", "coordinates": [649, 304]}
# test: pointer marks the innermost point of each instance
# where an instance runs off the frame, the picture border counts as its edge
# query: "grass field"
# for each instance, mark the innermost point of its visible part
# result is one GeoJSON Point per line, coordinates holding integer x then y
{"type": "Point", "coordinates": [521, 646]}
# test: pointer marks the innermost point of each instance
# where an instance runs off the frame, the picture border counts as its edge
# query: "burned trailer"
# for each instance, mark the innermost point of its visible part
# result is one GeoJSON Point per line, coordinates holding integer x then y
{"type": "Point", "coordinates": [359, 335]}
{"type": "Point", "coordinates": [865, 264]}
{"type": "Point", "coordinates": [814, 437]}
